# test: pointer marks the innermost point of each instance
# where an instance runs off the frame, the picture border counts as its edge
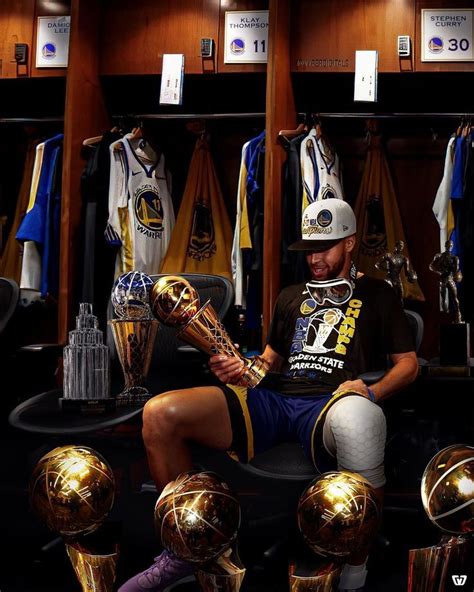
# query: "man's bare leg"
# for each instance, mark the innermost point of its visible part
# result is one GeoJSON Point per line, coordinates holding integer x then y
{"type": "Point", "coordinates": [175, 418]}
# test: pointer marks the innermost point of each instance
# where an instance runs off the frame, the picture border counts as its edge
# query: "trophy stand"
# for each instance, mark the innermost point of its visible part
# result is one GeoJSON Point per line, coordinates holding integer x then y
{"type": "Point", "coordinates": [94, 558]}
{"type": "Point", "coordinates": [442, 566]}
{"type": "Point", "coordinates": [313, 577]}
{"type": "Point", "coordinates": [225, 574]}
{"type": "Point", "coordinates": [134, 342]}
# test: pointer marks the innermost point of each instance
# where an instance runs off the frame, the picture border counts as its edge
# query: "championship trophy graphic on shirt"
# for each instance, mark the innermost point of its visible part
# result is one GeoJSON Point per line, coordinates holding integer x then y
{"type": "Point", "coordinates": [176, 303]}
{"type": "Point", "coordinates": [447, 493]}
{"type": "Point", "coordinates": [134, 333]}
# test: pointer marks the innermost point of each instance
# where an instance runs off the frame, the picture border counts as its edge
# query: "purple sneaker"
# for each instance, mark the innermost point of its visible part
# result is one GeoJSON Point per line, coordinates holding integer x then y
{"type": "Point", "coordinates": [166, 570]}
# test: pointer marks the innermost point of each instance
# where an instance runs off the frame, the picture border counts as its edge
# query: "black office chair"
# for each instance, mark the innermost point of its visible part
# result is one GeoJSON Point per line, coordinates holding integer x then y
{"type": "Point", "coordinates": [175, 364]}
{"type": "Point", "coordinates": [287, 461]}
{"type": "Point", "coordinates": [286, 465]}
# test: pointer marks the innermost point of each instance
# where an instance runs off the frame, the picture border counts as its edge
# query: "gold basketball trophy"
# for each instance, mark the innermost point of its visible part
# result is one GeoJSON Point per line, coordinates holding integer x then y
{"type": "Point", "coordinates": [72, 490]}
{"type": "Point", "coordinates": [198, 518]}
{"type": "Point", "coordinates": [134, 334]}
{"type": "Point", "coordinates": [176, 303]}
{"type": "Point", "coordinates": [447, 493]}
{"type": "Point", "coordinates": [337, 513]}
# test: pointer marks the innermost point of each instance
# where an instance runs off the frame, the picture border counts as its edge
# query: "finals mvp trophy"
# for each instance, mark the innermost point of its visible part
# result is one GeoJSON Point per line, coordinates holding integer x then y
{"type": "Point", "coordinates": [134, 334]}
{"type": "Point", "coordinates": [176, 303]}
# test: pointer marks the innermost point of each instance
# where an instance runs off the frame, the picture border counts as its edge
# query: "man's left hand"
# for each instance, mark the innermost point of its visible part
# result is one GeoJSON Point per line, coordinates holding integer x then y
{"type": "Point", "coordinates": [357, 386]}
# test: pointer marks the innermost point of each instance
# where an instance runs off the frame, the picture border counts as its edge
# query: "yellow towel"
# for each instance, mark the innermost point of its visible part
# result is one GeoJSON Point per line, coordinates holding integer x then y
{"type": "Point", "coordinates": [379, 225]}
{"type": "Point", "coordinates": [202, 237]}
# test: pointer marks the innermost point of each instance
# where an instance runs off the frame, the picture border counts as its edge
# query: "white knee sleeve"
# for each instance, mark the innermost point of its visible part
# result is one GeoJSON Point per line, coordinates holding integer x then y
{"type": "Point", "coordinates": [354, 432]}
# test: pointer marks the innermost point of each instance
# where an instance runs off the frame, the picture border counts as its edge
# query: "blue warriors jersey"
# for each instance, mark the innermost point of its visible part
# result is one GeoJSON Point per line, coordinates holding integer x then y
{"type": "Point", "coordinates": [457, 192]}
{"type": "Point", "coordinates": [141, 215]}
{"type": "Point", "coordinates": [41, 222]}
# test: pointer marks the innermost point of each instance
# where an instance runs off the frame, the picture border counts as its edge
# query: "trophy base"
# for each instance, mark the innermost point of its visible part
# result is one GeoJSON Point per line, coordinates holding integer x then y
{"type": "Point", "coordinates": [225, 574]}
{"type": "Point", "coordinates": [136, 395]}
{"type": "Point", "coordinates": [87, 406]}
{"type": "Point", "coordinates": [439, 567]}
{"type": "Point", "coordinates": [454, 345]}
{"type": "Point", "coordinates": [313, 576]}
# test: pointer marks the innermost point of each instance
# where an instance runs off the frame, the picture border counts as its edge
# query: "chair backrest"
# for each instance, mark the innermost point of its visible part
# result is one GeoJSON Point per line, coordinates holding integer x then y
{"type": "Point", "coordinates": [417, 326]}
{"type": "Point", "coordinates": [9, 295]}
{"type": "Point", "coordinates": [218, 289]}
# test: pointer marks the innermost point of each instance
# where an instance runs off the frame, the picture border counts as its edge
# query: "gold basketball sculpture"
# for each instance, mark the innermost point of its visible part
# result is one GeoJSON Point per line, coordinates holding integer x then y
{"type": "Point", "coordinates": [72, 490]}
{"type": "Point", "coordinates": [176, 303]}
{"type": "Point", "coordinates": [197, 516]}
{"type": "Point", "coordinates": [447, 489]}
{"type": "Point", "coordinates": [337, 513]}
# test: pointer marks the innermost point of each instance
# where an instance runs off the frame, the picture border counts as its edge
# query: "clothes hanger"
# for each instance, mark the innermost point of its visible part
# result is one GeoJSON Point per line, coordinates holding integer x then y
{"type": "Point", "coordinates": [293, 133]}
{"type": "Point", "coordinates": [92, 141]}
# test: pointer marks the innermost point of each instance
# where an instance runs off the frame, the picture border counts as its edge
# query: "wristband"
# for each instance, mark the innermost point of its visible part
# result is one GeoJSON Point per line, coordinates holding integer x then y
{"type": "Point", "coordinates": [372, 396]}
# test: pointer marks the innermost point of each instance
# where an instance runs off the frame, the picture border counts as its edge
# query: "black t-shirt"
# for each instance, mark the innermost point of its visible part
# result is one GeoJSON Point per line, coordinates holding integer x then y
{"type": "Point", "coordinates": [325, 345]}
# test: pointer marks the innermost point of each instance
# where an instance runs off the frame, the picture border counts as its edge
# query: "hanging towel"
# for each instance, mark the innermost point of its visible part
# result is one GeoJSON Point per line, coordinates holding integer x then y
{"type": "Point", "coordinates": [379, 225]}
{"type": "Point", "coordinates": [202, 238]}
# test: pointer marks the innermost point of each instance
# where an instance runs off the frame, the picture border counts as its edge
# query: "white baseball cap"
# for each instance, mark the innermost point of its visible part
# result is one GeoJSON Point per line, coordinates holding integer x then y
{"type": "Point", "coordinates": [325, 222]}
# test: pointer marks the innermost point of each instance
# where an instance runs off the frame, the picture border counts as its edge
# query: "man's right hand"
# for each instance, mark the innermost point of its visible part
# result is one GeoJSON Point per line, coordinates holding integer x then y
{"type": "Point", "coordinates": [228, 369]}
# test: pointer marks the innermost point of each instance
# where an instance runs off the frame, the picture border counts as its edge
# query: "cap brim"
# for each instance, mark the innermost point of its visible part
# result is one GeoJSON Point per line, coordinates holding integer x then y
{"type": "Point", "coordinates": [314, 245]}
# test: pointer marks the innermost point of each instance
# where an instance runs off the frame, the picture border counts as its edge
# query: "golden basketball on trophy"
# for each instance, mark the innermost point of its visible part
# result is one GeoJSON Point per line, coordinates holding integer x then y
{"type": "Point", "coordinates": [72, 490]}
{"type": "Point", "coordinates": [447, 489]}
{"type": "Point", "coordinates": [176, 303]}
{"type": "Point", "coordinates": [197, 516]}
{"type": "Point", "coordinates": [337, 513]}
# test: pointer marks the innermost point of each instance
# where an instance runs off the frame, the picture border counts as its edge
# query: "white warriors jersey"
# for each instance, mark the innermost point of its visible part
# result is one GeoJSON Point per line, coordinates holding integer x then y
{"type": "Point", "coordinates": [442, 200]}
{"type": "Point", "coordinates": [236, 256]}
{"type": "Point", "coordinates": [141, 215]}
{"type": "Point", "coordinates": [319, 170]}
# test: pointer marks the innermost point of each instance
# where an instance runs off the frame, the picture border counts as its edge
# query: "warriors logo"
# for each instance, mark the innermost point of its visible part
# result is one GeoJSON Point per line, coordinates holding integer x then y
{"type": "Point", "coordinates": [202, 243]}
{"type": "Point", "coordinates": [49, 50]}
{"type": "Point", "coordinates": [435, 45]}
{"type": "Point", "coordinates": [149, 209]}
{"type": "Point", "coordinates": [237, 46]}
{"type": "Point", "coordinates": [324, 218]}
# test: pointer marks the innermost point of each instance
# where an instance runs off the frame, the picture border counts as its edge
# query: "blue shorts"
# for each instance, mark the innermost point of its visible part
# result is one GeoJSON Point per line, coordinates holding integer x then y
{"type": "Point", "coordinates": [262, 418]}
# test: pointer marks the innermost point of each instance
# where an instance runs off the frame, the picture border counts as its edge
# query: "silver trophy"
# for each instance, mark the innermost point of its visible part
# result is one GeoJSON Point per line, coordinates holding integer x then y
{"type": "Point", "coordinates": [86, 366]}
{"type": "Point", "coordinates": [134, 334]}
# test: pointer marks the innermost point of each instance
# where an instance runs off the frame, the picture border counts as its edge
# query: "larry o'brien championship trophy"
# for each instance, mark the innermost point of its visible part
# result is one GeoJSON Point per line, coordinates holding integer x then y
{"type": "Point", "coordinates": [72, 490]}
{"type": "Point", "coordinates": [198, 517]}
{"type": "Point", "coordinates": [337, 513]}
{"type": "Point", "coordinates": [134, 334]}
{"type": "Point", "coordinates": [176, 303]}
{"type": "Point", "coordinates": [86, 382]}
{"type": "Point", "coordinates": [454, 346]}
{"type": "Point", "coordinates": [447, 493]}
